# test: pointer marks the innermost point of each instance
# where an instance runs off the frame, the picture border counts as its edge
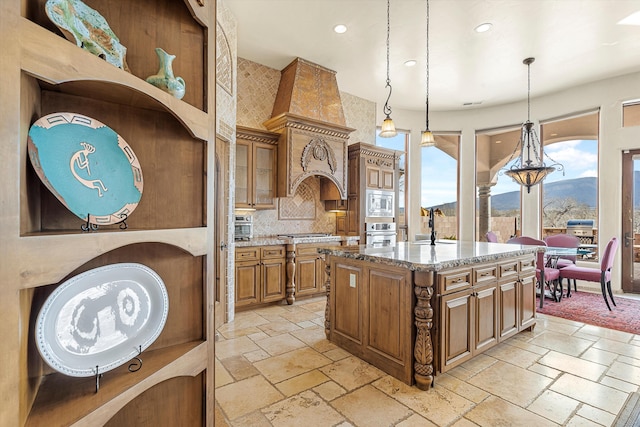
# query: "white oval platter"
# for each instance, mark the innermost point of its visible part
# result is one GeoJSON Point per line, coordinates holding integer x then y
{"type": "Point", "coordinates": [87, 166]}
{"type": "Point", "coordinates": [102, 318]}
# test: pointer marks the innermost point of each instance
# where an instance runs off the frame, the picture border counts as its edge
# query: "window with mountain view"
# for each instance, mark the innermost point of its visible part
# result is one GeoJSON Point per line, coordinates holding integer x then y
{"type": "Point", "coordinates": [573, 195]}
{"type": "Point", "coordinates": [440, 185]}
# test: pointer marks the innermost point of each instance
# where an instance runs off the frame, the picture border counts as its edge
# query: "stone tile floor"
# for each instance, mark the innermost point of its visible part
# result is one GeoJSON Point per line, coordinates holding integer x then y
{"type": "Point", "coordinates": [274, 367]}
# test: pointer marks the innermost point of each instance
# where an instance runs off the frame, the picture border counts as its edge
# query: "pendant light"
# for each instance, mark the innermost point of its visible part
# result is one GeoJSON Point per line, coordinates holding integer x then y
{"type": "Point", "coordinates": [388, 129]}
{"type": "Point", "coordinates": [427, 139]}
{"type": "Point", "coordinates": [527, 170]}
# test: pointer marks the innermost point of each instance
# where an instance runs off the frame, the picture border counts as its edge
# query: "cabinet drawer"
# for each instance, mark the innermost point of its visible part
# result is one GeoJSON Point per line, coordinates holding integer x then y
{"type": "Point", "coordinates": [273, 252]}
{"type": "Point", "coordinates": [247, 254]}
{"type": "Point", "coordinates": [508, 269]}
{"type": "Point", "coordinates": [454, 280]}
{"type": "Point", "coordinates": [485, 274]}
{"type": "Point", "coordinates": [527, 265]}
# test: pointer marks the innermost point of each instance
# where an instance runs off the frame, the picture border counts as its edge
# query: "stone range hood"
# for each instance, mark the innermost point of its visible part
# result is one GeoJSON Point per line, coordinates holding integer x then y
{"type": "Point", "coordinates": [308, 116]}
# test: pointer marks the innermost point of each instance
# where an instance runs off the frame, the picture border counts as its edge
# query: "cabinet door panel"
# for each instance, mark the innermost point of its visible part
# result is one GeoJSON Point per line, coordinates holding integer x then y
{"type": "Point", "coordinates": [388, 179]}
{"type": "Point", "coordinates": [387, 311]}
{"type": "Point", "coordinates": [306, 276]}
{"type": "Point", "coordinates": [243, 175]}
{"type": "Point", "coordinates": [247, 283]}
{"type": "Point", "coordinates": [345, 291]}
{"type": "Point", "coordinates": [264, 176]}
{"type": "Point", "coordinates": [527, 302]}
{"type": "Point", "coordinates": [508, 309]}
{"type": "Point", "coordinates": [373, 177]}
{"type": "Point", "coordinates": [486, 302]}
{"type": "Point", "coordinates": [456, 318]}
{"type": "Point", "coordinates": [273, 280]}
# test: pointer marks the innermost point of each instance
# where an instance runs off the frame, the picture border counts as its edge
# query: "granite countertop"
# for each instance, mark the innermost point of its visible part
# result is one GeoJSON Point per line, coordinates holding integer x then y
{"type": "Point", "coordinates": [278, 240]}
{"type": "Point", "coordinates": [421, 255]}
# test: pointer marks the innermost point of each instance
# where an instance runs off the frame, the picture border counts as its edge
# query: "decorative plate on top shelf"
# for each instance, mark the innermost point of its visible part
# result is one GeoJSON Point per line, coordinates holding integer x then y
{"type": "Point", "coordinates": [87, 166]}
{"type": "Point", "coordinates": [101, 318]}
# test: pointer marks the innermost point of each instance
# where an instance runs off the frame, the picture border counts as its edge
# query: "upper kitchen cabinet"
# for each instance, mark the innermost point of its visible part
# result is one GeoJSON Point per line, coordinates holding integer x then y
{"type": "Point", "coordinates": [308, 116]}
{"type": "Point", "coordinates": [45, 71]}
{"type": "Point", "coordinates": [380, 174]}
{"type": "Point", "coordinates": [255, 168]}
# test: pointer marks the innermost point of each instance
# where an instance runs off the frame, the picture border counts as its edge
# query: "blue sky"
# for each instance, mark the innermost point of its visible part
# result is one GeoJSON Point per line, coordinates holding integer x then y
{"type": "Point", "coordinates": [439, 181]}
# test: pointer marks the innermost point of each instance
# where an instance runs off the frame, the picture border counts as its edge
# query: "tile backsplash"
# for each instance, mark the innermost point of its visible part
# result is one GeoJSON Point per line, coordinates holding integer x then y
{"type": "Point", "coordinates": [288, 220]}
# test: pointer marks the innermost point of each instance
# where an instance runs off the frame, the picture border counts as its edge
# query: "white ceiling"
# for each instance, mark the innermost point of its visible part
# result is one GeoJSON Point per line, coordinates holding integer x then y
{"type": "Point", "coordinates": [573, 41]}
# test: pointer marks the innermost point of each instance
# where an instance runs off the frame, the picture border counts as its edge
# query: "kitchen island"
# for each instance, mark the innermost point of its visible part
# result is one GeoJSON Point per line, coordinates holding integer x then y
{"type": "Point", "coordinates": [413, 309]}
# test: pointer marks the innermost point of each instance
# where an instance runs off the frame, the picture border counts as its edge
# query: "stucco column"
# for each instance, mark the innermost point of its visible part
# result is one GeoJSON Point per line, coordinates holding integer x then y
{"type": "Point", "coordinates": [484, 209]}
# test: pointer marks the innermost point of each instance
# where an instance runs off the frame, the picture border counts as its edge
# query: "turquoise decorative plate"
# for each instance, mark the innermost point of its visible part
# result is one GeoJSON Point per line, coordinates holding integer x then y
{"type": "Point", "coordinates": [101, 318]}
{"type": "Point", "coordinates": [87, 166]}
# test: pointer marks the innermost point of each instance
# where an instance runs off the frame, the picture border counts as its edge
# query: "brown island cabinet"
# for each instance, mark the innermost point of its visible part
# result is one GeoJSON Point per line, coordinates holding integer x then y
{"type": "Point", "coordinates": [413, 309]}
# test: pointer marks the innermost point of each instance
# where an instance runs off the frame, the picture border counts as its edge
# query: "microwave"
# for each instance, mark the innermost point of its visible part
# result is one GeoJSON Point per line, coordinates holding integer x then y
{"type": "Point", "coordinates": [243, 225]}
{"type": "Point", "coordinates": [380, 203]}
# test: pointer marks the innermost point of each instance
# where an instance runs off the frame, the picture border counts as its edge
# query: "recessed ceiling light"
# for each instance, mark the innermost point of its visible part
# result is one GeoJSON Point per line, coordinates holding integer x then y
{"type": "Point", "coordinates": [498, 142]}
{"type": "Point", "coordinates": [554, 134]}
{"type": "Point", "coordinates": [483, 27]}
{"type": "Point", "coordinates": [633, 19]}
{"type": "Point", "coordinates": [410, 63]}
{"type": "Point", "coordinates": [340, 28]}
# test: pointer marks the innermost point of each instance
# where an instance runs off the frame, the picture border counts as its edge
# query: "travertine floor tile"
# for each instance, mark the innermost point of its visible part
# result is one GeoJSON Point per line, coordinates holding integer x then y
{"type": "Point", "coordinates": [624, 372]}
{"type": "Point", "coordinates": [599, 356]}
{"type": "Point", "coordinates": [288, 365]}
{"type": "Point", "coordinates": [624, 349]}
{"type": "Point", "coordinates": [497, 412]}
{"type": "Point", "coordinates": [462, 388]}
{"type": "Point", "coordinates": [416, 420]}
{"type": "Point", "coordinates": [596, 415]}
{"type": "Point", "coordinates": [314, 337]}
{"type": "Point", "coordinates": [578, 421]}
{"type": "Point", "coordinates": [573, 365]}
{"type": "Point", "coordinates": [239, 367]}
{"type": "Point", "coordinates": [304, 409]}
{"type": "Point", "coordinates": [278, 327]}
{"type": "Point", "coordinates": [516, 385]}
{"type": "Point", "coordinates": [554, 406]}
{"type": "Point", "coordinates": [243, 320]}
{"type": "Point", "coordinates": [235, 347]}
{"type": "Point", "coordinates": [514, 355]}
{"type": "Point", "coordinates": [352, 372]}
{"type": "Point", "coordinates": [302, 382]}
{"type": "Point", "coordinates": [619, 385]}
{"type": "Point", "coordinates": [222, 376]}
{"type": "Point", "coordinates": [236, 400]}
{"type": "Point", "coordinates": [545, 370]}
{"type": "Point", "coordinates": [329, 390]}
{"type": "Point", "coordinates": [337, 354]}
{"type": "Point", "coordinates": [606, 333]}
{"type": "Point", "coordinates": [594, 394]}
{"type": "Point", "coordinates": [279, 344]}
{"type": "Point", "coordinates": [628, 360]}
{"type": "Point", "coordinates": [438, 405]}
{"type": "Point", "coordinates": [254, 419]}
{"type": "Point", "coordinates": [562, 343]}
{"type": "Point", "coordinates": [380, 409]}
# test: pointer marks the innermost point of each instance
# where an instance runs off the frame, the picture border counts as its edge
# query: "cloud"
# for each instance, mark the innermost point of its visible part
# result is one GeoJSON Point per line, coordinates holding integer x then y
{"type": "Point", "coordinates": [589, 173]}
{"type": "Point", "coordinates": [573, 156]}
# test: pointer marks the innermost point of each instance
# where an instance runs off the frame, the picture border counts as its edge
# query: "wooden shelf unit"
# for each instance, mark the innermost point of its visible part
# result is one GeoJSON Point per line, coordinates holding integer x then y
{"type": "Point", "coordinates": [171, 230]}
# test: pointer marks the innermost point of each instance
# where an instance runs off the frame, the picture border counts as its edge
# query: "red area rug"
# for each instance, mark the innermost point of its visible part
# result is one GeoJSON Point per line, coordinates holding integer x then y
{"type": "Point", "coordinates": [587, 307]}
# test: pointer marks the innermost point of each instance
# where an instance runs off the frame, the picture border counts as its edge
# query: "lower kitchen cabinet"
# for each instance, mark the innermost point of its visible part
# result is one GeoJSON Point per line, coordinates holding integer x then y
{"type": "Point", "coordinates": [310, 276]}
{"type": "Point", "coordinates": [260, 275]}
{"type": "Point", "coordinates": [481, 306]}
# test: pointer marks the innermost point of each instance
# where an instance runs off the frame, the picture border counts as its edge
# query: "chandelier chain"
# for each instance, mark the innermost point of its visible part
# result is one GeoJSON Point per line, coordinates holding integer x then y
{"type": "Point", "coordinates": [427, 72]}
{"type": "Point", "coordinates": [387, 109]}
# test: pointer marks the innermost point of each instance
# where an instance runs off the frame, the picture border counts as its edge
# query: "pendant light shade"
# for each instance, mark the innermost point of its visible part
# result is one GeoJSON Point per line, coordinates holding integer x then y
{"type": "Point", "coordinates": [388, 129]}
{"type": "Point", "coordinates": [427, 139]}
{"type": "Point", "coordinates": [530, 169]}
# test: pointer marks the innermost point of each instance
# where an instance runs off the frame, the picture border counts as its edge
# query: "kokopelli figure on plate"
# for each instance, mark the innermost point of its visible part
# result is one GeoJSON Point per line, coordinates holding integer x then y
{"type": "Point", "coordinates": [80, 160]}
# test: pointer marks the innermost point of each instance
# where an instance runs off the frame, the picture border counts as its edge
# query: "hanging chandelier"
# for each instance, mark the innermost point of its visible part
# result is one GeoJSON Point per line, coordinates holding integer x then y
{"type": "Point", "coordinates": [388, 129]}
{"type": "Point", "coordinates": [427, 139]}
{"type": "Point", "coordinates": [530, 169]}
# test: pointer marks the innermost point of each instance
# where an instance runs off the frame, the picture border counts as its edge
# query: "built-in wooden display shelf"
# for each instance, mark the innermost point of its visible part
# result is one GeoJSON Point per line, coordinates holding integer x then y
{"type": "Point", "coordinates": [78, 72]}
{"type": "Point", "coordinates": [69, 400]}
{"type": "Point", "coordinates": [83, 246]}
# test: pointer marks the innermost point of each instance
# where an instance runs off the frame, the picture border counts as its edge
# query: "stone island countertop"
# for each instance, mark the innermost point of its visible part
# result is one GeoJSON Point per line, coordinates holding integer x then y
{"type": "Point", "coordinates": [421, 256]}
